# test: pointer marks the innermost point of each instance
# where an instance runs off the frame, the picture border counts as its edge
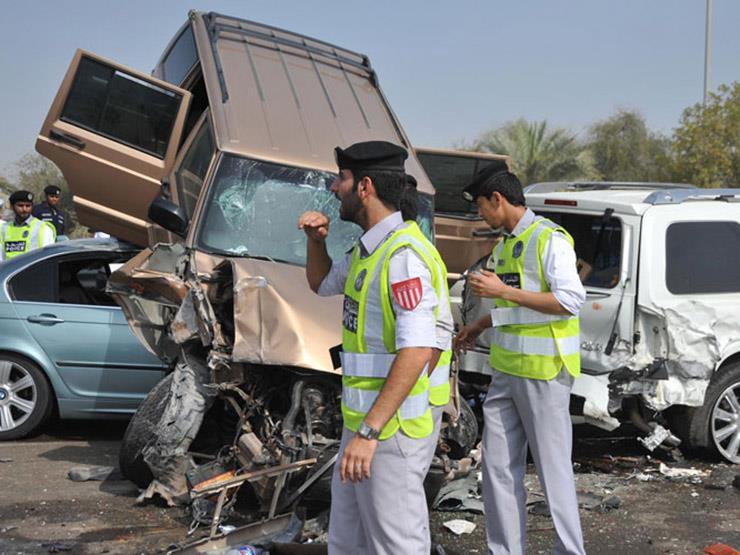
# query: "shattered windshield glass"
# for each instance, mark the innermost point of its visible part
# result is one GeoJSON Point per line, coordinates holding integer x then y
{"type": "Point", "coordinates": [254, 207]}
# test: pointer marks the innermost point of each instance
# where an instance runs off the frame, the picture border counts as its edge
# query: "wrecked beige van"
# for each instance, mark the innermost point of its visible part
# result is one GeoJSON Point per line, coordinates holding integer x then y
{"type": "Point", "coordinates": [227, 142]}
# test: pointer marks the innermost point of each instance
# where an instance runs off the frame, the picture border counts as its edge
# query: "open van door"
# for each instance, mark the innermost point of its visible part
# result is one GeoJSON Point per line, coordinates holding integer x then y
{"type": "Point", "coordinates": [114, 133]}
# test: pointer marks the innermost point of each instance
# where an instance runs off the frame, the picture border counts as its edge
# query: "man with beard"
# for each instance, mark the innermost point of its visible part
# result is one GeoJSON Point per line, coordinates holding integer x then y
{"type": "Point", "coordinates": [534, 356]}
{"type": "Point", "coordinates": [396, 326]}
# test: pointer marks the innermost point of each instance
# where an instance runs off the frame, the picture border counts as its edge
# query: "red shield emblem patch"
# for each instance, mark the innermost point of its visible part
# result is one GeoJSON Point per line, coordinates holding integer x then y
{"type": "Point", "coordinates": [407, 293]}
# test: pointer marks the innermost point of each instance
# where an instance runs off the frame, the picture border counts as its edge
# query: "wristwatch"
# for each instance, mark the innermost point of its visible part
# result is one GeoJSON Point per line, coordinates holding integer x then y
{"type": "Point", "coordinates": [367, 432]}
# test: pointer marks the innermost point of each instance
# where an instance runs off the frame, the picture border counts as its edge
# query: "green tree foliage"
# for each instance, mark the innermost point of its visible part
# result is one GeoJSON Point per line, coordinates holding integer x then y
{"type": "Point", "coordinates": [538, 153]}
{"type": "Point", "coordinates": [706, 144]}
{"type": "Point", "coordinates": [623, 149]}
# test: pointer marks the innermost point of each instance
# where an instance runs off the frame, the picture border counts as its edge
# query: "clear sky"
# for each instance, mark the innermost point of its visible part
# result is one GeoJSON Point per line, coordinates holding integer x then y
{"type": "Point", "coordinates": [449, 69]}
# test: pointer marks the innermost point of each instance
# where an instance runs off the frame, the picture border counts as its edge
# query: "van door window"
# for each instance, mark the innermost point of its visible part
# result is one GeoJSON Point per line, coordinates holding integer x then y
{"type": "Point", "coordinates": [122, 107]}
{"type": "Point", "coordinates": [193, 169]}
{"type": "Point", "coordinates": [598, 246]}
{"type": "Point", "coordinates": [701, 257]}
{"type": "Point", "coordinates": [181, 58]}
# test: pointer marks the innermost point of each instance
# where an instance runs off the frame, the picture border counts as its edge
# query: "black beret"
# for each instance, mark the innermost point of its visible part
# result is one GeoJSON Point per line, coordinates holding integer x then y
{"type": "Point", "coordinates": [52, 190]}
{"type": "Point", "coordinates": [488, 174]}
{"type": "Point", "coordinates": [21, 196]}
{"type": "Point", "coordinates": [371, 155]}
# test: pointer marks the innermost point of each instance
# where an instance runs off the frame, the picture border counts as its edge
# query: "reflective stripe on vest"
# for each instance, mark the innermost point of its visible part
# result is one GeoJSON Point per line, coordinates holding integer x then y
{"type": "Point", "coordinates": [361, 400]}
{"type": "Point", "coordinates": [525, 342]}
{"type": "Point", "coordinates": [505, 316]}
{"type": "Point", "coordinates": [536, 345]}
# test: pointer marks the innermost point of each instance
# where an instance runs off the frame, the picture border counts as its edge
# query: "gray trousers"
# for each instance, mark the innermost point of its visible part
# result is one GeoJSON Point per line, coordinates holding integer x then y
{"type": "Point", "coordinates": [517, 412]}
{"type": "Point", "coordinates": [386, 514]}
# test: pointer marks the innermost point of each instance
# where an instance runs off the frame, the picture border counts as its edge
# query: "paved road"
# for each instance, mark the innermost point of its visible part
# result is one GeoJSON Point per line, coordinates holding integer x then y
{"type": "Point", "coordinates": [40, 505]}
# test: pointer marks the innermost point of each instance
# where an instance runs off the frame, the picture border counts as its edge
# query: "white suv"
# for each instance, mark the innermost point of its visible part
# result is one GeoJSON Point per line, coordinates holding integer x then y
{"type": "Point", "coordinates": [660, 329]}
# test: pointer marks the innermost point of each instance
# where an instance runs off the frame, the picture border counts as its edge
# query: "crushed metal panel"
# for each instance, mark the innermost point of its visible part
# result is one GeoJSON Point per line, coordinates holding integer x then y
{"type": "Point", "coordinates": [145, 288]}
{"type": "Point", "coordinates": [595, 391]}
{"type": "Point", "coordinates": [693, 337]}
{"type": "Point", "coordinates": [279, 320]}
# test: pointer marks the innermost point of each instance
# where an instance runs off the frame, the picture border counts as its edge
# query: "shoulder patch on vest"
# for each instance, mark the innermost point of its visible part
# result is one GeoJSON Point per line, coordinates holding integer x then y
{"type": "Point", "coordinates": [517, 250]}
{"type": "Point", "coordinates": [407, 293]}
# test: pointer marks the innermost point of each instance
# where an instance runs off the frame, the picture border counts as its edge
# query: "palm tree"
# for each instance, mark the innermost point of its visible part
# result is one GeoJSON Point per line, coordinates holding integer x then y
{"type": "Point", "coordinates": [538, 153]}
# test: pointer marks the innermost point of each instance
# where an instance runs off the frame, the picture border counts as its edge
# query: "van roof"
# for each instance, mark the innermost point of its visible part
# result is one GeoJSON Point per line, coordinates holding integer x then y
{"type": "Point", "coordinates": [282, 97]}
{"type": "Point", "coordinates": [624, 197]}
{"type": "Point", "coordinates": [628, 197]}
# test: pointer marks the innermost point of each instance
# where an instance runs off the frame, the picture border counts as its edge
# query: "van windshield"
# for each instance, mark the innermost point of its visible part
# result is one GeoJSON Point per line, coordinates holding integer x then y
{"type": "Point", "coordinates": [253, 209]}
{"type": "Point", "coordinates": [598, 245]}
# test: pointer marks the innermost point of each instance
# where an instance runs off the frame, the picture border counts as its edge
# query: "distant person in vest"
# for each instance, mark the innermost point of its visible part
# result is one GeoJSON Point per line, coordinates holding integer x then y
{"type": "Point", "coordinates": [49, 210]}
{"type": "Point", "coordinates": [24, 232]}
{"type": "Point", "coordinates": [396, 347]}
{"type": "Point", "coordinates": [534, 357]}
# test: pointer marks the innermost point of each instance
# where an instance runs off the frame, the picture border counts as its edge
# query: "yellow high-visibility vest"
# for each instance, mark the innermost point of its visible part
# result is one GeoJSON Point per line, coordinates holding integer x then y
{"type": "Point", "coordinates": [19, 239]}
{"type": "Point", "coordinates": [369, 338]}
{"type": "Point", "coordinates": [525, 342]}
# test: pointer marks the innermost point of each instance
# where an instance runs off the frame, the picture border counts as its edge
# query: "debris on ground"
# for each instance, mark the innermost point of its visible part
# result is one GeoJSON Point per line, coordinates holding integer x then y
{"type": "Point", "coordinates": [459, 527]}
{"type": "Point", "coordinates": [5, 460]}
{"type": "Point", "coordinates": [586, 500]}
{"type": "Point", "coordinates": [57, 547]}
{"type": "Point", "coordinates": [315, 530]}
{"type": "Point", "coordinates": [94, 473]}
{"type": "Point", "coordinates": [720, 549]}
{"type": "Point", "coordinates": [736, 481]}
{"type": "Point", "coordinates": [721, 477]}
{"type": "Point", "coordinates": [462, 494]}
{"type": "Point", "coordinates": [652, 441]}
{"type": "Point", "coordinates": [674, 473]}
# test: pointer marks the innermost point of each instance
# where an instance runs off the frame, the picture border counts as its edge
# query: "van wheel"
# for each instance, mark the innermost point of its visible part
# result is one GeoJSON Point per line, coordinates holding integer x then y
{"type": "Point", "coordinates": [26, 400]}
{"type": "Point", "coordinates": [716, 424]}
{"type": "Point", "coordinates": [140, 430]}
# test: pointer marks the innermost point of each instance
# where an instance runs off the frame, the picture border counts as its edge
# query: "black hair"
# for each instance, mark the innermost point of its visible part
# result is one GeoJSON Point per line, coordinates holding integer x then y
{"type": "Point", "coordinates": [389, 185]}
{"type": "Point", "coordinates": [409, 199]}
{"type": "Point", "coordinates": [505, 183]}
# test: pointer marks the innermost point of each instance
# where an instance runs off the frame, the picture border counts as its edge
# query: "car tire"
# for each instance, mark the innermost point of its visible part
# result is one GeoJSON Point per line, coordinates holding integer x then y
{"type": "Point", "coordinates": [140, 431]}
{"type": "Point", "coordinates": [26, 399]}
{"type": "Point", "coordinates": [703, 427]}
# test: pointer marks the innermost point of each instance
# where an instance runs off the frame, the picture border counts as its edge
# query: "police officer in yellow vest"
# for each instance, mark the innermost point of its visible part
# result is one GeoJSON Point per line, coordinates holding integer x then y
{"type": "Point", "coordinates": [396, 339]}
{"type": "Point", "coordinates": [24, 232]}
{"type": "Point", "coordinates": [534, 357]}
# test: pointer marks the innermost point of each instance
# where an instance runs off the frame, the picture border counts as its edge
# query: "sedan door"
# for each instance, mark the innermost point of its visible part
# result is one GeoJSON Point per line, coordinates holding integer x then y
{"type": "Point", "coordinates": [114, 133]}
{"type": "Point", "coordinates": [82, 331]}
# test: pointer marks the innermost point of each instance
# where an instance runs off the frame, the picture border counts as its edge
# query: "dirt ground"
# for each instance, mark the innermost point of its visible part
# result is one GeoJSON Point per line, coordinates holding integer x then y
{"type": "Point", "coordinates": [42, 510]}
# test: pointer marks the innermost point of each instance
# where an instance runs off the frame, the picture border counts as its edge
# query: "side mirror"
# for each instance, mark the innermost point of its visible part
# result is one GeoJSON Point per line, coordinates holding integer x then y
{"type": "Point", "coordinates": [168, 215]}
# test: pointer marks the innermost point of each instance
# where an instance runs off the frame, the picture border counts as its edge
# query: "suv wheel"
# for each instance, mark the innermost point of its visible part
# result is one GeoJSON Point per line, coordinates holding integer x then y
{"type": "Point", "coordinates": [726, 422]}
{"type": "Point", "coordinates": [716, 424]}
{"type": "Point", "coordinates": [25, 397]}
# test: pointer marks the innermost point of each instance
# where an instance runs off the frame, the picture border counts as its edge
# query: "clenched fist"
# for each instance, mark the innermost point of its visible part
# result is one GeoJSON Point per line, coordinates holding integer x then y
{"type": "Point", "coordinates": [315, 225]}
